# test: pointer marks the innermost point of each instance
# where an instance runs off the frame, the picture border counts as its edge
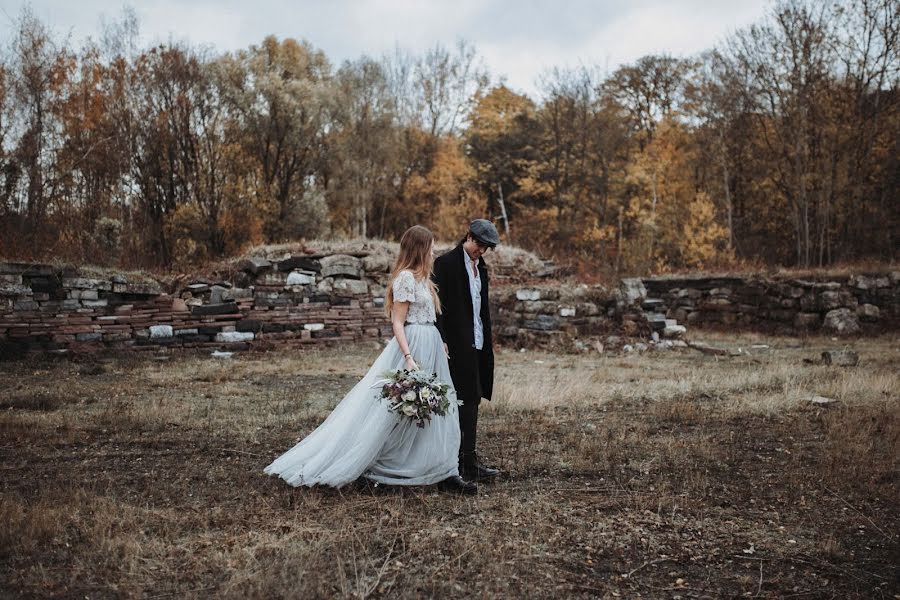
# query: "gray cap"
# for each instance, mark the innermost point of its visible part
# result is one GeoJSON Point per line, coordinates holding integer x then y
{"type": "Point", "coordinates": [484, 231]}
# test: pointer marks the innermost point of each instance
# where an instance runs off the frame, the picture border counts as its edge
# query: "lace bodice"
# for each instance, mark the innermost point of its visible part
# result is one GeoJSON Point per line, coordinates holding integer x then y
{"type": "Point", "coordinates": [421, 305]}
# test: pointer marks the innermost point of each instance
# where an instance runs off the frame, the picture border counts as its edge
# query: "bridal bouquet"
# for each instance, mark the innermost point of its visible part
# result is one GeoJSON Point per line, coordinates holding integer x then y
{"type": "Point", "coordinates": [415, 394]}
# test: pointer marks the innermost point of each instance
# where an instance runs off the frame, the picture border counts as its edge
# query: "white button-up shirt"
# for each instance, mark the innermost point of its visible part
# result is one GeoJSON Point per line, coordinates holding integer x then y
{"type": "Point", "coordinates": [475, 291]}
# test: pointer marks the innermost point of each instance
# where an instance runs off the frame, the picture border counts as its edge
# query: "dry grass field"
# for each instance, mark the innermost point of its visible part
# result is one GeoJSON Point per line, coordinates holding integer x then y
{"type": "Point", "coordinates": [662, 475]}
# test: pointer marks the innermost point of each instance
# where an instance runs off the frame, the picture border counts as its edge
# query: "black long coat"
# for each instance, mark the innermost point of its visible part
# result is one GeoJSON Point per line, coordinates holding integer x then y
{"type": "Point", "coordinates": [456, 324]}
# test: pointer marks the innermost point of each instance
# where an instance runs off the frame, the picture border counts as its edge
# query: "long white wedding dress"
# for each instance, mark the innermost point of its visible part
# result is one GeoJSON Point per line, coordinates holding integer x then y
{"type": "Point", "coordinates": [361, 437]}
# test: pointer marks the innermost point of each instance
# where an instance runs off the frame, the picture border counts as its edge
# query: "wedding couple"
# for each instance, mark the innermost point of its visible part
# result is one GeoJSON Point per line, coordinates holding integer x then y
{"type": "Point", "coordinates": [441, 320]}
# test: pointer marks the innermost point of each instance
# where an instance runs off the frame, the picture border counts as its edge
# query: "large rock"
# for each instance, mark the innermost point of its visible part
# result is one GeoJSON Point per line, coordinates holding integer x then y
{"type": "Point", "coordinates": [234, 336]}
{"type": "Point", "coordinates": [657, 321]}
{"type": "Point", "coordinates": [342, 265]}
{"type": "Point", "coordinates": [160, 331]}
{"type": "Point", "coordinates": [807, 320]}
{"type": "Point", "coordinates": [254, 264]}
{"type": "Point", "coordinates": [15, 289]}
{"type": "Point", "coordinates": [350, 286]}
{"type": "Point", "coordinates": [868, 312]}
{"type": "Point", "coordinates": [300, 263]}
{"type": "Point", "coordinates": [528, 294]}
{"type": "Point", "coordinates": [841, 321]}
{"type": "Point", "coordinates": [217, 294]}
{"type": "Point", "coordinates": [865, 282]}
{"type": "Point", "coordinates": [840, 358]}
{"type": "Point", "coordinates": [542, 323]}
{"type": "Point", "coordinates": [632, 291]}
{"type": "Point", "coordinates": [301, 278]}
{"type": "Point", "coordinates": [674, 331]}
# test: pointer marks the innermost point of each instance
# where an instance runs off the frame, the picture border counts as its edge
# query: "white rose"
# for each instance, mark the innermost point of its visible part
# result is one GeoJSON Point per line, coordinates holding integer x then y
{"type": "Point", "coordinates": [409, 410]}
{"type": "Point", "coordinates": [408, 396]}
{"type": "Point", "coordinates": [425, 393]}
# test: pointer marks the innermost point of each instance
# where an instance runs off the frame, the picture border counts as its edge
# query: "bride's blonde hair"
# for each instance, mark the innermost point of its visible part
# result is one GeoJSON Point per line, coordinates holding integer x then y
{"type": "Point", "coordinates": [415, 255]}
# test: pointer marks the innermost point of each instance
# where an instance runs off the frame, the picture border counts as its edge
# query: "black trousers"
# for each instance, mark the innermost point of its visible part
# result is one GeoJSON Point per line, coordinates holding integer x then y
{"type": "Point", "coordinates": [468, 419]}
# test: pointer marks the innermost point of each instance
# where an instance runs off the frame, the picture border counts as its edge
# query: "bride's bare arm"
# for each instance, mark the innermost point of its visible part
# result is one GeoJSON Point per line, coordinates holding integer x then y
{"type": "Point", "coordinates": [398, 320]}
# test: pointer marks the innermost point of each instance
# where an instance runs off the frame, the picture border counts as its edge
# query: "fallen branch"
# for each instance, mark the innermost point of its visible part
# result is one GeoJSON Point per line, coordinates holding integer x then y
{"type": "Point", "coordinates": [707, 349]}
{"type": "Point", "coordinates": [240, 452]}
{"type": "Point", "coordinates": [647, 564]}
{"type": "Point", "coordinates": [889, 538]}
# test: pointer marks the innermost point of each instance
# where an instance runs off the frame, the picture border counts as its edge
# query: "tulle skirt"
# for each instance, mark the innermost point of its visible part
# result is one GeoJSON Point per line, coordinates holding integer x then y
{"type": "Point", "coordinates": [361, 437]}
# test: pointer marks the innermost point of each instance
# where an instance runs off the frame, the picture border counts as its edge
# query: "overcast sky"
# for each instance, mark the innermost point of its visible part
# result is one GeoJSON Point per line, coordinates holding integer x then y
{"type": "Point", "coordinates": [518, 39]}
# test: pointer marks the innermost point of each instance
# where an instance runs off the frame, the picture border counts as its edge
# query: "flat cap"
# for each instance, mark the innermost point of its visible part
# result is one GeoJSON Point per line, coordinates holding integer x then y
{"type": "Point", "coordinates": [484, 231]}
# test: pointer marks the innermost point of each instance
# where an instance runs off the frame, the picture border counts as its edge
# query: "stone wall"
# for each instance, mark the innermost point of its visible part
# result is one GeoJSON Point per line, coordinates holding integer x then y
{"type": "Point", "coordinates": [553, 314]}
{"type": "Point", "coordinates": [838, 305]}
{"type": "Point", "coordinates": [302, 299]}
{"type": "Point", "coordinates": [315, 298]}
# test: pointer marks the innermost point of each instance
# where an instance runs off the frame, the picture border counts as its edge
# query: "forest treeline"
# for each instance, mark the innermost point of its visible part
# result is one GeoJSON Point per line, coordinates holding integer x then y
{"type": "Point", "coordinates": [780, 146]}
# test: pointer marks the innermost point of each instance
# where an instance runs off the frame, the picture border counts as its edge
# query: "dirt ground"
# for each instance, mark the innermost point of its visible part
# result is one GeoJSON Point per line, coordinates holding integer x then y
{"type": "Point", "coordinates": [656, 475]}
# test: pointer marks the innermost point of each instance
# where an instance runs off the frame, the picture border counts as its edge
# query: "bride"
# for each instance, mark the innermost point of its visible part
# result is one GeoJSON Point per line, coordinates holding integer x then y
{"type": "Point", "coordinates": [361, 437]}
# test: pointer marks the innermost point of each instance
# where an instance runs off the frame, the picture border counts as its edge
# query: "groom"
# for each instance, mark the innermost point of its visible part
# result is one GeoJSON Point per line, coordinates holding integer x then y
{"type": "Point", "coordinates": [465, 326]}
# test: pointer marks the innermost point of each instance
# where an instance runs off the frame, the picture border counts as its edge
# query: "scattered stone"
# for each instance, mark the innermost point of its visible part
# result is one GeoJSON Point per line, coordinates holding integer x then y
{"type": "Point", "coordinates": [641, 347]}
{"type": "Point", "coordinates": [841, 321]}
{"type": "Point", "coordinates": [840, 358]}
{"type": "Point", "coordinates": [654, 336]}
{"type": "Point", "coordinates": [314, 326]}
{"type": "Point", "coordinates": [627, 348]}
{"type": "Point", "coordinates": [566, 311]}
{"type": "Point", "coordinates": [528, 294]}
{"type": "Point", "coordinates": [220, 354]}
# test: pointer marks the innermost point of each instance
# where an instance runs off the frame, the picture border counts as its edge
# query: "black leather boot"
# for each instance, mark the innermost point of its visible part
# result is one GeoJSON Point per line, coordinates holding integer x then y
{"type": "Point", "coordinates": [458, 485]}
{"type": "Point", "coordinates": [474, 470]}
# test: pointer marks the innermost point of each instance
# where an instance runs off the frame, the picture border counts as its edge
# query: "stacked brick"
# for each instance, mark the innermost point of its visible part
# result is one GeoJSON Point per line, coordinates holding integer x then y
{"type": "Point", "coordinates": [297, 300]}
